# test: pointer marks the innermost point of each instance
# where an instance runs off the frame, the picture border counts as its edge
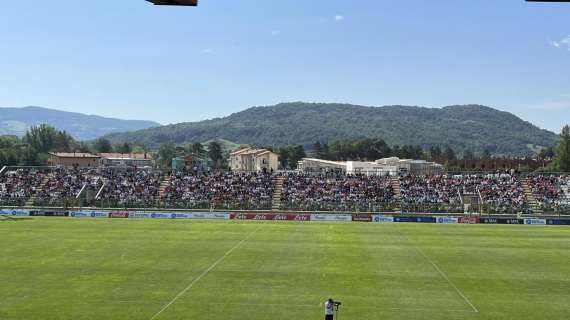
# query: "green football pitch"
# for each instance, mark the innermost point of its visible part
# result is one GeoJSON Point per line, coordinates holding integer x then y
{"type": "Point", "coordinates": [60, 268]}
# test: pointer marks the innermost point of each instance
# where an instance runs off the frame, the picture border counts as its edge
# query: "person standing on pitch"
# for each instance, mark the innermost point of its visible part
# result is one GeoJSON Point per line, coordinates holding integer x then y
{"type": "Point", "coordinates": [329, 311]}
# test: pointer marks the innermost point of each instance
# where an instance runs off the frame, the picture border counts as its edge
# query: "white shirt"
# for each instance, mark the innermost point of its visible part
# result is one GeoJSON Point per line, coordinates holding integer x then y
{"type": "Point", "coordinates": [328, 308]}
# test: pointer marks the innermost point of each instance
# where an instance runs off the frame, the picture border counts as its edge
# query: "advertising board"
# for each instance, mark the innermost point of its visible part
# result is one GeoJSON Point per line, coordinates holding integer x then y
{"type": "Point", "coordinates": [447, 220]}
{"type": "Point", "coordinates": [500, 221]}
{"type": "Point", "coordinates": [160, 215]}
{"type": "Point", "coordinates": [361, 217]}
{"type": "Point", "coordinates": [415, 219]}
{"type": "Point", "coordinates": [532, 221]}
{"type": "Point", "coordinates": [331, 217]}
{"type": "Point", "coordinates": [139, 215]}
{"type": "Point", "coordinates": [382, 219]}
{"type": "Point", "coordinates": [49, 213]}
{"type": "Point", "coordinates": [468, 220]}
{"type": "Point", "coordinates": [210, 216]}
{"type": "Point", "coordinates": [119, 214]}
{"type": "Point", "coordinates": [180, 216]}
{"type": "Point", "coordinates": [558, 222]}
{"type": "Point", "coordinates": [271, 216]}
{"type": "Point", "coordinates": [14, 213]}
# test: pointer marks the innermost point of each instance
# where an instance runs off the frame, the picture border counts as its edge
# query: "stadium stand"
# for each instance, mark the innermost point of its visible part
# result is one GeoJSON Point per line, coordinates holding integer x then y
{"type": "Point", "coordinates": [229, 190]}
{"type": "Point", "coordinates": [551, 191]}
{"type": "Point", "coordinates": [495, 193]}
{"type": "Point", "coordinates": [337, 192]}
{"type": "Point", "coordinates": [499, 192]}
{"type": "Point", "coordinates": [19, 185]}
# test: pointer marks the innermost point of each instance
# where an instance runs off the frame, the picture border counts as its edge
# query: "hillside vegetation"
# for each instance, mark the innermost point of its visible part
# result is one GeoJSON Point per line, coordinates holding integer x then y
{"type": "Point", "coordinates": [16, 121]}
{"type": "Point", "coordinates": [472, 127]}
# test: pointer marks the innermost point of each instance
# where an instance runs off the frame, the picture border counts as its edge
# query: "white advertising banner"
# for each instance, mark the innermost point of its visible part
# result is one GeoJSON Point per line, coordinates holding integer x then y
{"type": "Point", "coordinates": [447, 220]}
{"type": "Point", "coordinates": [331, 217]}
{"type": "Point", "coordinates": [382, 219]}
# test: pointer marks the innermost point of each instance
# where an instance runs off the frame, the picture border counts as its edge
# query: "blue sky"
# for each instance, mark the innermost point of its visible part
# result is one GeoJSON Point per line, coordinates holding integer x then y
{"type": "Point", "coordinates": [129, 59]}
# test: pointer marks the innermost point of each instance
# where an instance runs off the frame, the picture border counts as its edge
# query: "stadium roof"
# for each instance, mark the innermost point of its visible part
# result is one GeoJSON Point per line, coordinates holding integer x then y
{"type": "Point", "coordinates": [73, 155]}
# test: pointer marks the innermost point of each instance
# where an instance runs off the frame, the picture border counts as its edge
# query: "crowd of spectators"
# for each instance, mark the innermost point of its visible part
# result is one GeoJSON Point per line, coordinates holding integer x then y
{"type": "Point", "coordinates": [498, 192]}
{"type": "Point", "coordinates": [65, 184]}
{"type": "Point", "coordinates": [129, 188]}
{"type": "Point", "coordinates": [336, 192]}
{"type": "Point", "coordinates": [551, 191]}
{"type": "Point", "coordinates": [19, 185]}
{"type": "Point", "coordinates": [227, 190]}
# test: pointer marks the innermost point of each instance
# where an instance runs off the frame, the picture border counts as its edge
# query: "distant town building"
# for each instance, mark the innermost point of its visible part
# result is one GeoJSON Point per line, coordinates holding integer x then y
{"type": "Point", "coordinates": [126, 160]}
{"type": "Point", "coordinates": [250, 159]}
{"type": "Point", "coordinates": [190, 163]}
{"type": "Point", "coordinates": [386, 166]}
{"type": "Point", "coordinates": [73, 159]}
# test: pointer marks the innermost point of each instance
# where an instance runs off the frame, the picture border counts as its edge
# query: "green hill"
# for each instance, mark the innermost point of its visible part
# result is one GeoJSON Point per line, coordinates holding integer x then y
{"type": "Point", "coordinates": [16, 121]}
{"type": "Point", "coordinates": [471, 127]}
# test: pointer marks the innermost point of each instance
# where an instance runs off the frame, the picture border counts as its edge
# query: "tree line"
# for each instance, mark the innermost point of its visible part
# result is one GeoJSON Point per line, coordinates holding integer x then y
{"type": "Point", "coordinates": [32, 150]}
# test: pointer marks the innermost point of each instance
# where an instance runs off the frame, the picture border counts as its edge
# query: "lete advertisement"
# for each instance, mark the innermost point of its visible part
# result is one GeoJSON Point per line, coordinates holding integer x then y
{"type": "Point", "coordinates": [270, 216]}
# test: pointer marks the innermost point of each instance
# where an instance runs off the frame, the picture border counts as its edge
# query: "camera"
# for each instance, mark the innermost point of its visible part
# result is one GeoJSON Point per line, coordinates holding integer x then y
{"type": "Point", "coordinates": [337, 303]}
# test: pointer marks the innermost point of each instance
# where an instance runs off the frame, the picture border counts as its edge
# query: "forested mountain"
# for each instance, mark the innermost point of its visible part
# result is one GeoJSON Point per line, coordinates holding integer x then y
{"type": "Point", "coordinates": [16, 121]}
{"type": "Point", "coordinates": [472, 127]}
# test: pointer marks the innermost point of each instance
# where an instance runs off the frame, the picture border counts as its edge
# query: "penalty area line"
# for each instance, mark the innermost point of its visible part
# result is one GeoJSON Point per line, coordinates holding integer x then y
{"type": "Point", "coordinates": [459, 292]}
{"type": "Point", "coordinates": [203, 274]}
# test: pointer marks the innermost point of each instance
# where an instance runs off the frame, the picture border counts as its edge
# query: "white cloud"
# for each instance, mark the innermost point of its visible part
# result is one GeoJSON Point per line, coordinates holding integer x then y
{"type": "Point", "coordinates": [564, 43]}
{"type": "Point", "coordinates": [338, 17]}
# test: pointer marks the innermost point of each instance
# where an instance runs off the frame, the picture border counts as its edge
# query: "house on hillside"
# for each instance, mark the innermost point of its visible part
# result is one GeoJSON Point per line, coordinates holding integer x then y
{"type": "Point", "coordinates": [73, 159]}
{"type": "Point", "coordinates": [251, 159]}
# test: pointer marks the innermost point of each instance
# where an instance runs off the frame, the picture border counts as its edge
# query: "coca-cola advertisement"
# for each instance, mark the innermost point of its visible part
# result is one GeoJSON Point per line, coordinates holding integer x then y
{"type": "Point", "coordinates": [362, 217]}
{"type": "Point", "coordinates": [119, 214]}
{"type": "Point", "coordinates": [468, 220]}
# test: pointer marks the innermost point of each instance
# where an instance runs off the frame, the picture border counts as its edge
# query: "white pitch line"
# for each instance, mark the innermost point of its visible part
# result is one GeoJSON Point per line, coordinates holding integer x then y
{"type": "Point", "coordinates": [215, 264]}
{"type": "Point", "coordinates": [440, 272]}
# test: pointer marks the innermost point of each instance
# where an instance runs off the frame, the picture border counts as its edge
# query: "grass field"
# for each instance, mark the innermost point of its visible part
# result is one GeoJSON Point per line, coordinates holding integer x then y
{"type": "Point", "coordinates": [59, 268]}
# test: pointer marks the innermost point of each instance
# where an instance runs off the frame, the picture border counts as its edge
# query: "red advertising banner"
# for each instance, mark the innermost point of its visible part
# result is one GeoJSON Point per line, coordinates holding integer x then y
{"type": "Point", "coordinates": [468, 220]}
{"type": "Point", "coordinates": [270, 216]}
{"type": "Point", "coordinates": [119, 214]}
{"type": "Point", "coordinates": [361, 217]}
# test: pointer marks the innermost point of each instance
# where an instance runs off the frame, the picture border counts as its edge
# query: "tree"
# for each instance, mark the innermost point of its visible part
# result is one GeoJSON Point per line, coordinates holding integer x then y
{"type": "Point", "coordinates": [449, 154]}
{"type": "Point", "coordinates": [166, 153]}
{"type": "Point", "coordinates": [103, 145]}
{"type": "Point", "coordinates": [562, 158]}
{"type": "Point", "coordinates": [124, 148]}
{"type": "Point", "coordinates": [44, 138]}
{"type": "Point", "coordinates": [435, 153]}
{"type": "Point", "coordinates": [317, 150]}
{"type": "Point", "coordinates": [468, 155]}
{"type": "Point", "coordinates": [284, 157]}
{"type": "Point", "coordinates": [215, 153]}
{"type": "Point", "coordinates": [486, 155]}
{"type": "Point", "coordinates": [197, 150]}
{"type": "Point", "coordinates": [546, 154]}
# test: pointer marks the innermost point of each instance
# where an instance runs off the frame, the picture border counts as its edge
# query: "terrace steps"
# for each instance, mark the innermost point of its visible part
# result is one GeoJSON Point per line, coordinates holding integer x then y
{"type": "Point", "coordinates": [42, 185]}
{"type": "Point", "coordinates": [530, 198]}
{"type": "Point", "coordinates": [396, 187]}
{"type": "Point", "coordinates": [276, 201]}
{"type": "Point", "coordinates": [163, 185]}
